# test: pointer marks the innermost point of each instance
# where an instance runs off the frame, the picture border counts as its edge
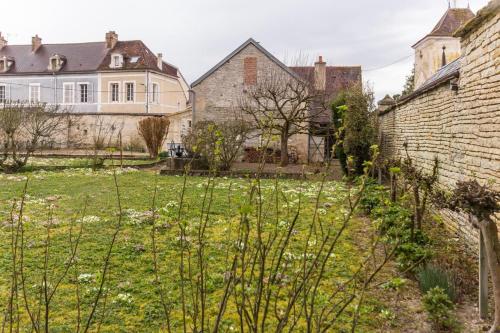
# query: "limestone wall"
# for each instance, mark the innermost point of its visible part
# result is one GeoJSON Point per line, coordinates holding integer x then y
{"type": "Point", "coordinates": [216, 97]}
{"type": "Point", "coordinates": [461, 128]}
{"type": "Point", "coordinates": [86, 127]}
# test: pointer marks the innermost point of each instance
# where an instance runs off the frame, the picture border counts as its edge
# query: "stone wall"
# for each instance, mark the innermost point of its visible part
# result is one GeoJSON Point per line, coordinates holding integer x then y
{"type": "Point", "coordinates": [461, 128]}
{"type": "Point", "coordinates": [82, 132]}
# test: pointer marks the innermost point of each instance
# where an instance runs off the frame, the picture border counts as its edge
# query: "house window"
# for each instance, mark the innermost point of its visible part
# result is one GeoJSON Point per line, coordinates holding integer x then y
{"type": "Point", "coordinates": [130, 91]}
{"type": "Point", "coordinates": [34, 93]}
{"type": "Point", "coordinates": [250, 70]}
{"type": "Point", "coordinates": [156, 92]}
{"type": "Point", "coordinates": [116, 60]}
{"type": "Point", "coordinates": [84, 93]}
{"type": "Point", "coordinates": [115, 92]}
{"type": "Point", "coordinates": [68, 93]}
{"type": "Point", "coordinates": [2, 65]}
{"type": "Point", "coordinates": [3, 94]}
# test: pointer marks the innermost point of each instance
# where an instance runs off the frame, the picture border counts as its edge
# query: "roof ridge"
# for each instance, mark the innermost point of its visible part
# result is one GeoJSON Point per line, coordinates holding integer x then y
{"type": "Point", "coordinates": [238, 50]}
{"type": "Point", "coordinates": [51, 44]}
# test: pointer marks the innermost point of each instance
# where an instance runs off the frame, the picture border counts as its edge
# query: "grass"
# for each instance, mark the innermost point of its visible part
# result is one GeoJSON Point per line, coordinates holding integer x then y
{"type": "Point", "coordinates": [132, 300]}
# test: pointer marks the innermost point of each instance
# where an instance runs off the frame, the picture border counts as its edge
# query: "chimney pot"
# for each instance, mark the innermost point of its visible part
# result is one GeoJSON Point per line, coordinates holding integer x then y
{"type": "Point", "coordinates": [36, 43]}
{"type": "Point", "coordinates": [3, 41]}
{"type": "Point", "coordinates": [111, 39]}
{"type": "Point", "coordinates": [160, 60]}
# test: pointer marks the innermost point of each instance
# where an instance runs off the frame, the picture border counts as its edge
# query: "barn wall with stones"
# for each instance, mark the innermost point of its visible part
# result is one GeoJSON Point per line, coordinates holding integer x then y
{"type": "Point", "coordinates": [461, 128]}
{"type": "Point", "coordinates": [216, 97]}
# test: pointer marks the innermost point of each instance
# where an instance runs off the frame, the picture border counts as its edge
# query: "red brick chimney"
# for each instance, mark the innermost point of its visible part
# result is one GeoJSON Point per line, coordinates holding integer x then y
{"type": "Point", "coordinates": [111, 39]}
{"type": "Point", "coordinates": [36, 43]}
{"type": "Point", "coordinates": [320, 74]}
{"type": "Point", "coordinates": [3, 41]}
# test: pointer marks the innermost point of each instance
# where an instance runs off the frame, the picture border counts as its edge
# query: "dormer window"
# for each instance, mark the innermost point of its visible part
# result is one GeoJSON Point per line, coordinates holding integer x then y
{"type": "Point", "coordinates": [6, 64]}
{"type": "Point", "coordinates": [116, 60]}
{"type": "Point", "coordinates": [56, 62]}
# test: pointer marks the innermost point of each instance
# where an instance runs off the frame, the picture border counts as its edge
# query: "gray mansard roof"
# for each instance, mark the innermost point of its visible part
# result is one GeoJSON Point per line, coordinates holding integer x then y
{"type": "Point", "coordinates": [79, 57]}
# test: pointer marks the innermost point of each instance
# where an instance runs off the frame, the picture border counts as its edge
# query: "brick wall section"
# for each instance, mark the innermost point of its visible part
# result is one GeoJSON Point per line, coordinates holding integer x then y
{"type": "Point", "coordinates": [250, 70]}
{"type": "Point", "coordinates": [461, 128]}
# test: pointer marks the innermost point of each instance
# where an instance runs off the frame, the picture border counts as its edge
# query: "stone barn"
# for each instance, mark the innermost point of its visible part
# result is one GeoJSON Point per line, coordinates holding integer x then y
{"type": "Point", "coordinates": [216, 93]}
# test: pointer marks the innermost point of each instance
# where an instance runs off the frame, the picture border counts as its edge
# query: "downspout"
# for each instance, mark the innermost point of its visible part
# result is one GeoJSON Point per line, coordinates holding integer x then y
{"type": "Point", "coordinates": [192, 97]}
{"type": "Point", "coordinates": [55, 87]}
{"type": "Point", "coordinates": [147, 91]}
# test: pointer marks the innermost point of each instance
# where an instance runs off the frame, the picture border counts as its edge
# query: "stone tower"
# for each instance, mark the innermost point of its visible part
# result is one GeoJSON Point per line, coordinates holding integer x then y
{"type": "Point", "coordinates": [439, 47]}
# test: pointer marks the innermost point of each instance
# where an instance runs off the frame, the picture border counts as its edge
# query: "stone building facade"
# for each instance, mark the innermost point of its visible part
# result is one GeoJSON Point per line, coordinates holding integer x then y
{"type": "Point", "coordinates": [216, 94]}
{"type": "Point", "coordinates": [439, 47]}
{"type": "Point", "coordinates": [455, 115]}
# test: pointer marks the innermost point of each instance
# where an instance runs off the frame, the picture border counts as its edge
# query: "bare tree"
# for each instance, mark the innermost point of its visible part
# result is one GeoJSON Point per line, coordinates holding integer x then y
{"type": "Point", "coordinates": [282, 103]}
{"type": "Point", "coordinates": [24, 128]}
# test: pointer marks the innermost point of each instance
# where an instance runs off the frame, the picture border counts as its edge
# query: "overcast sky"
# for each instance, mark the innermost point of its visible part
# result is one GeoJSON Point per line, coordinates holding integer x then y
{"type": "Point", "coordinates": [195, 34]}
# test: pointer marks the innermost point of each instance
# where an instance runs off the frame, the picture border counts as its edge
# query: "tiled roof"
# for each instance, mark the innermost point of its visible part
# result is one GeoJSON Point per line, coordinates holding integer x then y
{"type": "Point", "coordinates": [453, 19]}
{"type": "Point", "coordinates": [80, 57]}
{"type": "Point", "coordinates": [443, 73]}
{"type": "Point", "coordinates": [136, 48]}
{"type": "Point", "coordinates": [338, 78]}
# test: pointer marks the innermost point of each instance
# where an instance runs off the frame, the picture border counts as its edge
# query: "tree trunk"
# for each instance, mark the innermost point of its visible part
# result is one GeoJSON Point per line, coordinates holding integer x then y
{"type": "Point", "coordinates": [492, 247]}
{"type": "Point", "coordinates": [284, 150]}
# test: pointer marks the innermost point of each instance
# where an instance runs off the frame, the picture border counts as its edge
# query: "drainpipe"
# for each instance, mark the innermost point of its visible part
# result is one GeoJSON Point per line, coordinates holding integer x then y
{"type": "Point", "coordinates": [192, 97]}
{"type": "Point", "coordinates": [55, 88]}
{"type": "Point", "coordinates": [147, 91]}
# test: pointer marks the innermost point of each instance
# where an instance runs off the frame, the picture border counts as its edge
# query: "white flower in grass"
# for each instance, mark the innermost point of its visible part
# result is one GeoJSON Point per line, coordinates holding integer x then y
{"type": "Point", "coordinates": [283, 224]}
{"type": "Point", "coordinates": [124, 298]}
{"type": "Point", "coordinates": [85, 278]}
{"type": "Point", "coordinates": [89, 219]}
{"type": "Point", "coordinates": [321, 211]}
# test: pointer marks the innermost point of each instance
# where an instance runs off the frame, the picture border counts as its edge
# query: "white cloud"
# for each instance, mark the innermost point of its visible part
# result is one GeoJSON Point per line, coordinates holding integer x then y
{"type": "Point", "coordinates": [196, 34]}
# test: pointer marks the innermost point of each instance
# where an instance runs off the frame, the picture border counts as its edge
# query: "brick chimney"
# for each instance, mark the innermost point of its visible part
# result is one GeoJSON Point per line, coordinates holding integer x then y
{"type": "Point", "coordinates": [111, 39]}
{"type": "Point", "coordinates": [159, 63]}
{"type": "Point", "coordinates": [320, 74]}
{"type": "Point", "coordinates": [36, 43]}
{"type": "Point", "coordinates": [3, 41]}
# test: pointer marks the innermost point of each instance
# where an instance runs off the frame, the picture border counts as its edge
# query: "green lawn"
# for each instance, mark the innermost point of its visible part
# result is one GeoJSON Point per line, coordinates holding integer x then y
{"type": "Point", "coordinates": [131, 301]}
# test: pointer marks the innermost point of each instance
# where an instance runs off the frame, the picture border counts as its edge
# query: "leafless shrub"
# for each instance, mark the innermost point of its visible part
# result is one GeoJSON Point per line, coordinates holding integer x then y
{"type": "Point", "coordinates": [24, 128]}
{"type": "Point", "coordinates": [219, 142]}
{"type": "Point", "coordinates": [105, 134]}
{"type": "Point", "coordinates": [153, 131]}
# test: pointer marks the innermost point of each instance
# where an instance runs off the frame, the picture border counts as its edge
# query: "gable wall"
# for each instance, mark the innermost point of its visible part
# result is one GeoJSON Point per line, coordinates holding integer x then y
{"type": "Point", "coordinates": [216, 97]}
